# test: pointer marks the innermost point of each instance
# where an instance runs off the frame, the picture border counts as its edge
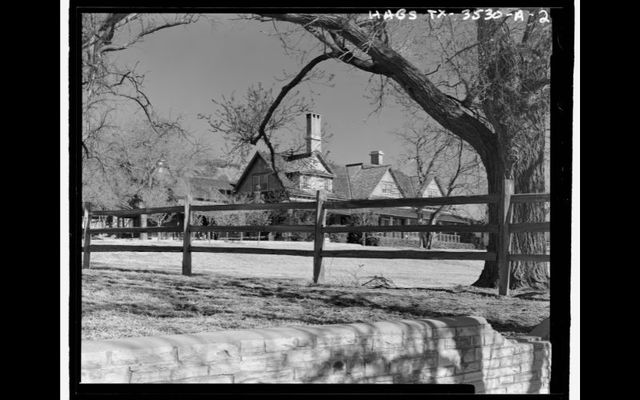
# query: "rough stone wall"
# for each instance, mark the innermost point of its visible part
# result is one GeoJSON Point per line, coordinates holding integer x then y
{"type": "Point", "coordinates": [447, 350]}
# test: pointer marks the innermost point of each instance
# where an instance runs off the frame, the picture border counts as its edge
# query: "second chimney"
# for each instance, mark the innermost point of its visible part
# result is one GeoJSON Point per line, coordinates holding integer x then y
{"type": "Point", "coordinates": [314, 133]}
{"type": "Point", "coordinates": [376, 157]}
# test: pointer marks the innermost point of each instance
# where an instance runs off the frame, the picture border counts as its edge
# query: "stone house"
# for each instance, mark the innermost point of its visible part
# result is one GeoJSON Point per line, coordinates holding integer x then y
{"type": "Point", "coordinates": [297, 177]}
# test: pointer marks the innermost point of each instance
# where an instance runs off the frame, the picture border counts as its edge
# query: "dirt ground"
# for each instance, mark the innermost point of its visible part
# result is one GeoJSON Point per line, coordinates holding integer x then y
{"type": "Point", "coordinates": [143, 294]}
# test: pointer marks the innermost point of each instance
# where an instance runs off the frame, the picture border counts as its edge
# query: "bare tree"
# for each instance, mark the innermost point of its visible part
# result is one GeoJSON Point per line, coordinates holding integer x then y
{"type": "Point", "coordinates": [105, 84]}
{"type": "Point", "coordinates": [499, 116]}
{"type": "Point", "coordinates": [128, 175]}
{"type": "Point", "coordinates": [437, 154]}
{"type": "Point", "coordinates": [240, 120]}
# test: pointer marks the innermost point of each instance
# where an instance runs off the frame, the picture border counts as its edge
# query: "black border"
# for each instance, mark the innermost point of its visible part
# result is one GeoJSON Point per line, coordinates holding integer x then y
{"type": "Point", "coordinates": [563, 15]}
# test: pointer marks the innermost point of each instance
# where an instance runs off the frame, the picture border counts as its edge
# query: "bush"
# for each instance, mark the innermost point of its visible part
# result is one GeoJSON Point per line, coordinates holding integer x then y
{"type": "Point", "coordinates": [354, 237]}
{"type": "Point", "coordinates": [373, 241]}
{"type": "Point", "coordinates": [338, 237]}
{"type": "Point", "coordinates": [300, 236]}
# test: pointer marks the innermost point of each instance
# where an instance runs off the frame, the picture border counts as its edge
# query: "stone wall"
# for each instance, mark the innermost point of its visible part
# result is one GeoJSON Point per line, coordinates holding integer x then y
{"type": "Point", "coordinates": [447, 350]}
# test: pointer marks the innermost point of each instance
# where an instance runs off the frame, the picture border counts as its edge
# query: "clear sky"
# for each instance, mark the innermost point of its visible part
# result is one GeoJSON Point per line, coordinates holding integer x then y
{"type": "Point", "coordinates": [185, 67]}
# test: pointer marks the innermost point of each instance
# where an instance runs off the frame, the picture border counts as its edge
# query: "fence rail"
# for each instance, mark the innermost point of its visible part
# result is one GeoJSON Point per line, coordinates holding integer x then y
{"type": "Point", "coordinates": [503, 228]}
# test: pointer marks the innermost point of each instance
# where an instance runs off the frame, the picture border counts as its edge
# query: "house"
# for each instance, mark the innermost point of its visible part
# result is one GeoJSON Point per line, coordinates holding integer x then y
{"type": "Point", "coordinates": [297, 177]}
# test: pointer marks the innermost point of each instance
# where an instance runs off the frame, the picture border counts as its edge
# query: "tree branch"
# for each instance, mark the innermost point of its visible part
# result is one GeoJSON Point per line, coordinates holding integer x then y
{"type": "Point", "coordinates": [447, 111]}
{"type": "Point", "coordinates": [283, 92]}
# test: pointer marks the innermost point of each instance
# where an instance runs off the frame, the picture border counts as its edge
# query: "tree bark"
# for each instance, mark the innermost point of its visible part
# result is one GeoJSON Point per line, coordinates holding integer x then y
{"type": "Point", "coordinates": [520, 129]}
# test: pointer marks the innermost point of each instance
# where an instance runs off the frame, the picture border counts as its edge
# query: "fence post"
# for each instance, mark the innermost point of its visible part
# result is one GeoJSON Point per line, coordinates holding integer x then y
{"type": "Point", "coordinates": [143, 224]}
{"type": "Point", "coordinates": [318, 243]}
{"type": "Point", "coordinates": [504, 266]}
{"type": "Point", "coordinates": [186, 237]}
{"type": "Point", "coordinates": [86, 257]}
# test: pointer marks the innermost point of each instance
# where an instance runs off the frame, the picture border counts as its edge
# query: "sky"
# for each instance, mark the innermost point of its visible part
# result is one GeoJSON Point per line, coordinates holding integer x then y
{"type": "Point", "coordinates": [185, 67]}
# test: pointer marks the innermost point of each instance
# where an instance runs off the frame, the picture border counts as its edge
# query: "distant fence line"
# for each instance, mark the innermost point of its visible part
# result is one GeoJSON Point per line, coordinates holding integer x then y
{"type": "Point", "coordinates": [504, 200]}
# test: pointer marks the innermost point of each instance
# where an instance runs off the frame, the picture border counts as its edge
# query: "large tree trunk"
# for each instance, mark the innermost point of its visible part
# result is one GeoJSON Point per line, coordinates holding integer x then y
{"type": "Point", "coordinates": [489, 275]}
{"type": "Point", "coordinates": [529, 274]}
{"type": "Point", "coordinates": [519, 124]}
{"type": "Point", "coordinates": [432, 221]}
{"type": "Point", "coordinates": [523, 274]}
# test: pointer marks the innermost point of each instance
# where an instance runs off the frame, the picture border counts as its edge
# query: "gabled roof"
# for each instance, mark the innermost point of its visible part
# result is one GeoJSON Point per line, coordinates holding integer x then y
{"type": "Point", "coordinates": [287, 164]}
{"type": "Point", "coordinates": [208, 188]}
{"type": "Point", "coordinates": [358, 181]}
{"type": "Point", "coordinates": [411, 186]}
{"type": "Point", "coordinates": [405, 183]}
{"type": "Point", "coordinates": [430, 178]}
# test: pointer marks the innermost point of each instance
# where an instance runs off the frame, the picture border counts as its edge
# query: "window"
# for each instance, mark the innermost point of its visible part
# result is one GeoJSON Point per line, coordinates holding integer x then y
{"type": "Point", "coordinates": [260, 182]}
{"type": "Point", "coordinates": [304, 182]}
{"type": "Point", "coordinates": [390, 188]}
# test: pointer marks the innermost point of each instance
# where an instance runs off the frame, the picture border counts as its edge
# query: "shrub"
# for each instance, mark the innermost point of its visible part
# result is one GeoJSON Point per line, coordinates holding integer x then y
{"type": "Point", "coordinates": [338, 237]}
{"type": "Point", "coordinates": [373, 241]}
{"type": "Point", "coordinates": [354, 237]}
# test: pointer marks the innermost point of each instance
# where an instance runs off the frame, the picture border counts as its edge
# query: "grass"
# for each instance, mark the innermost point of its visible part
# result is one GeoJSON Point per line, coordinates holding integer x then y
{"type": "Point", "coordinates": [143, 294]}
{"type": "Point", "coordinates": [405, 273]}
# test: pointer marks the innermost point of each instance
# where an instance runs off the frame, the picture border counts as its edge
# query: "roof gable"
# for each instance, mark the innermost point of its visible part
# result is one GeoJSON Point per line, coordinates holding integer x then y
{"type": "Point", "coordinates": [382, 188]}
{"type": "Point", "coordinates": [359, 181]}
{"type": "Point", "coordinates": [248, 168]}
{"type": "Point", "coordinates": [432, 187]}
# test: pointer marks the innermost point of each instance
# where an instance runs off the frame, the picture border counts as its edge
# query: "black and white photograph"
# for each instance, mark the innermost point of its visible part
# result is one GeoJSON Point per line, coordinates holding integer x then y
{"type": "Point", "coordinates": [325, 200]}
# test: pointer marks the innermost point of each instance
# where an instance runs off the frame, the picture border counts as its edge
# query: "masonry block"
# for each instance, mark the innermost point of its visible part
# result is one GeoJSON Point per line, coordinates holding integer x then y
{"type": "Point", "coordinates": [187, 372]}
{"type": "Point", "coordinates": [376, 367]}
{"type": "Point", "coordinates": [282, 376]}
{"type": "Point", "coordinates": [209, 352]}
{"type": "Point", "coordinates": [472, 377]}
{"type": "Point", "coordinates": [449, 357]}
{"type": "Point", "coordinates": [121, 374]}
{"type": "Point", "coordinates": [228, 378]}
{"type": "Point", "coordinates": [305, 356]}
{"type": "Point", "coordinates": [466, 367]}
{"type": "Point", "coordinates": [152, 374]}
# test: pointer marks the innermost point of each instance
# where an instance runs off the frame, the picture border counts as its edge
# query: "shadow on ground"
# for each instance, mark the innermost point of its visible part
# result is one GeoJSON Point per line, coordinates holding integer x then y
{"type": "Point", "coordinates": [250, 302]}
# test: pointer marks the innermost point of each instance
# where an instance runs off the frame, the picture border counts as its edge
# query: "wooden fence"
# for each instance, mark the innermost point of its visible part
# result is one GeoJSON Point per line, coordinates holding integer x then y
{"type": "Point", "coordinates": [503, 229]}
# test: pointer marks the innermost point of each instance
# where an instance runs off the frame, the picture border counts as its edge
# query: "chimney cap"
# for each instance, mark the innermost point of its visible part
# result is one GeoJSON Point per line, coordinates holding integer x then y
{"type": "Point", "coordinates": [375, 152]}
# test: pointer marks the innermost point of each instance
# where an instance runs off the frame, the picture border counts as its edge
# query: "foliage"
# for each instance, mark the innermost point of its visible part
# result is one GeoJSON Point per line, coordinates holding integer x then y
{"type": "Point", "coordinates": [361, 219]}
{"type": "Point", "coordinates": [242, 218]}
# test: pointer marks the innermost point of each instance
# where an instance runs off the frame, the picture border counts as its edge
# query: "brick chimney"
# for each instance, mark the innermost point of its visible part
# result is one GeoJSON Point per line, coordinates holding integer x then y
{"type": "Point", "coordinates": [376, 157]}
{"type": "Point", "coordinates": [314, 133]}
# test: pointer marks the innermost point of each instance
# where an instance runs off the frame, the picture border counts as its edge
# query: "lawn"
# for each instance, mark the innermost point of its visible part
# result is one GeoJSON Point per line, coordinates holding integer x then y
{"type": "Point", "coordinates": [142, 294]}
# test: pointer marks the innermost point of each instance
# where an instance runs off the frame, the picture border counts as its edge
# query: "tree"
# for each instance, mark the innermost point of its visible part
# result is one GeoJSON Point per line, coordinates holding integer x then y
{"type": "Point", "coordinates": [240, 120]}
{"type": "Point", "coordinates": [500, 116]}
{"type": "Point", "coordinates": [137, 168]}
{"type": "Point", "coordinates": [105, 84]}
{"type": "Point", "coordinates": [437, 154]}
